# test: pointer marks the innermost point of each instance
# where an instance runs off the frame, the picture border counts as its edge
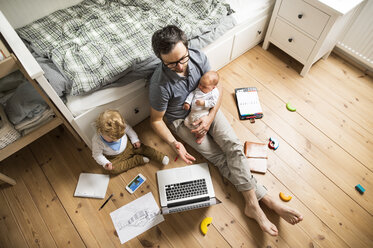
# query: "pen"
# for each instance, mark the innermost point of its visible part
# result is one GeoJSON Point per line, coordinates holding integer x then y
{"type": "Point", "coordinates": [103, 205]}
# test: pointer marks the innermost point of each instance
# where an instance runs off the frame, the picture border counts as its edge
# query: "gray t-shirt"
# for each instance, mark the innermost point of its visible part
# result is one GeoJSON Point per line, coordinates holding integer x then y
{"type": "Point", "coordinates": [168, 90]}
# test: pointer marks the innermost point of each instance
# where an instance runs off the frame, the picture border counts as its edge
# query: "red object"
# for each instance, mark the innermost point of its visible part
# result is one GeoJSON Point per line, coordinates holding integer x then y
{"type": "Point", "coordinates": [176, 158]}
{"type": "Point", "coordinates": [270, 145]}
{"type": "Point", "coordinates": [273, 143]}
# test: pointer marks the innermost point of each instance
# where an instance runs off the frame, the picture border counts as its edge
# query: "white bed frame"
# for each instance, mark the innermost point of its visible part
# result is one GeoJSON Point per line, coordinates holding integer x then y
{"type": "Point", "coordinates": [135, 104]}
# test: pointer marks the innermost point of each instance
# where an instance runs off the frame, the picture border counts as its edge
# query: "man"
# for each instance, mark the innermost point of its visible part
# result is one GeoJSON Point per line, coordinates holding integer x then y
{"type": "Point", "coordinates": [172, 81]}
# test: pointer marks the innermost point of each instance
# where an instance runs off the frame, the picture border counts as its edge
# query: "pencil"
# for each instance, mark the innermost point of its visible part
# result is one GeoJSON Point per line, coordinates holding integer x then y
{"type": "Point", "coordinates": [103, 205]}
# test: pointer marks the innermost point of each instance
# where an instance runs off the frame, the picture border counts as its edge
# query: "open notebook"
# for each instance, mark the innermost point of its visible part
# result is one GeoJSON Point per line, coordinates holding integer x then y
{"type": "Point", "coordinates": [256, 154]}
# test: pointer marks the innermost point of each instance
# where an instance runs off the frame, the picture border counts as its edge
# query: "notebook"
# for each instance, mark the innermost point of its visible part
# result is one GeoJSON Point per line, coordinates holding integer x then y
{"type": "Point", "coordinates": [92, 185]}
{"type": "Point", "coordinates": [258, 165]}
{"type": "Point", "coordinates": [255, 150]}
{"type": "Point", "coordinates": [248, 104]}
{"type": "Point", "coordinates": [185, 188]}
{"type": "Point", "coordinates": [256, 154]}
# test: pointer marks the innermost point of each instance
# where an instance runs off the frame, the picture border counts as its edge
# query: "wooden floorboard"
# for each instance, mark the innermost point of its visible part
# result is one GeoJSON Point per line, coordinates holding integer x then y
{"type": "Point", "coordinates": [24, 208]}
{"type": "Point", "coordinates": [317, 97]}
{"type": "Point", "coordinates": [325, 150]}
{"type": "Point", "coordinates": [307, 195]}
{"type": "Point", "coordinates": [10, 233]}
{"type": "Point", "coordinates": [27, 170]}
{"type": "Point", "coordinates": [322, 151]}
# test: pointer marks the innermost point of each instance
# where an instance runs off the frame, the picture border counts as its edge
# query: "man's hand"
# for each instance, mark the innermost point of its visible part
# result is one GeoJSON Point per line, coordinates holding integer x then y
{"type": "Point", "coordinates": [137, 144]}
{"type": "Point", "coordinates": [184, 155]}
{"type": "Point", "coordinates": [203, 126]}
{"type": "Point", "coordinates": [108, 166]}
{"type": "Point", "coordinates": [200, 102]}
{"type": "Point", "coordinates": [186, 106]}
{"type": "Point", "coordinates": [200, 138]}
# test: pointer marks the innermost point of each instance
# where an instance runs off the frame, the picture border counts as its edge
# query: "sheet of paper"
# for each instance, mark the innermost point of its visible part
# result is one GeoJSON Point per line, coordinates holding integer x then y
{"type": "Point", "coordinates": [136, 217]}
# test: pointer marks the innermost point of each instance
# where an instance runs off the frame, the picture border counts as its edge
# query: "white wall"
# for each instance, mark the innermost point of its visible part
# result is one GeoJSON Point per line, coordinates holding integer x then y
{"type": "Point", "coordinates": [22, 12]}
{"type": "Point", "coordinates": [358, 39]}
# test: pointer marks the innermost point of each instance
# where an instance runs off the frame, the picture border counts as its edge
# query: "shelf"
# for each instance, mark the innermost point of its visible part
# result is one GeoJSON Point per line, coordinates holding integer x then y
{"type": "Point", "coordinates": [7, 66]}
{"type": "Point", "coordinates": [30, 70]}
{"type": "Point", "coordinates": [27, 139]}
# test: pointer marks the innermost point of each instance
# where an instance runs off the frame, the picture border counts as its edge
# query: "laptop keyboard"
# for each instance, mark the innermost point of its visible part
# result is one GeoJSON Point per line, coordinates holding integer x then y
{"type": "Point", "coordinates": [186, 189]}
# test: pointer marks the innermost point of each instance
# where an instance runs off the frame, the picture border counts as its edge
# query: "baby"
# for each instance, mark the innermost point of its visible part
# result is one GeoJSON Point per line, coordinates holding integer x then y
{"type": "Point", "coordinates": [204, 97]}
{"type": "Point", "coordinates": [119, 142]}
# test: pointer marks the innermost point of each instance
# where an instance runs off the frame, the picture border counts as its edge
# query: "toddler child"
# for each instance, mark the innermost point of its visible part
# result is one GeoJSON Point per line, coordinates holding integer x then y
{"type": "Point", "coordinates": [204, 97]}
{"type": "Point", "coordinates": [117, 147]}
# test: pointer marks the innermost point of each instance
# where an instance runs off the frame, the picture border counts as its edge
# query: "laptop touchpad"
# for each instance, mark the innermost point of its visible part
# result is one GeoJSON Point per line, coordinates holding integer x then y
{"type": "Point", "coordinates": [183, 173]}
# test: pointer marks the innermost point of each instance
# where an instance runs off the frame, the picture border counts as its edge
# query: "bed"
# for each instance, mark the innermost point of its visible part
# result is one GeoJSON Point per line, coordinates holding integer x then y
{"type": "Point", "coordinates": [124, 86]}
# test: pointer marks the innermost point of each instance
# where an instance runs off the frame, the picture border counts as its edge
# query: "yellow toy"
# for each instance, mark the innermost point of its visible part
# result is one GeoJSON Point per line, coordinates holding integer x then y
{"type": "Point", "coordinates": [204, 224]}
{"type": "Point", "coordinates": [284, 197]}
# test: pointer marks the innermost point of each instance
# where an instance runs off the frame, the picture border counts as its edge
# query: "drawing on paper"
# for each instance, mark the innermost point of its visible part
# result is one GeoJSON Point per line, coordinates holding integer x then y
{"type": "Point", "coordinates": [136, 217]}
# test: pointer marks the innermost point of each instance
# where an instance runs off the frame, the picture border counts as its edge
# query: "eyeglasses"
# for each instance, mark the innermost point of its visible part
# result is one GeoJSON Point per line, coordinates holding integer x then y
{"type": "Point", "coordinates": [182, 61]}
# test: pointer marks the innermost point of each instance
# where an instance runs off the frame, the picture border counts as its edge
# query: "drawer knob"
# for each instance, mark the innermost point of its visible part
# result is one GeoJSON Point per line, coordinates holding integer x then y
{"type": "Point", "coordinates": [136, 110]}
{"type": "Point", "coordinates": [290, 39]}
{"type": "Point", "coordinates": [300, 16]}
{"type": "Point", "coordinates": [259, 32]}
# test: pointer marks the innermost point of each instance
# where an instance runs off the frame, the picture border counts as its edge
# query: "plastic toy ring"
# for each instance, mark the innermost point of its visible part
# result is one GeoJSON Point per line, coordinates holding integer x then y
{"type": "Point", "coordinates": [284, 197]}
{"type": "Point", "coordinates": [204, 224]}
{"type": "Point", "coordinates": [290, 108]}
{"type": "Point", "coordinates": [273, 143]}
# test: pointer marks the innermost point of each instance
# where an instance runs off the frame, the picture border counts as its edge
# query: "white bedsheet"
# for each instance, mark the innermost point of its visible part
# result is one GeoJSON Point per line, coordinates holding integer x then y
{"type": "Point", "coordinates": [247, 9]}
{"type": "Point", "coordinates": [80, 104]}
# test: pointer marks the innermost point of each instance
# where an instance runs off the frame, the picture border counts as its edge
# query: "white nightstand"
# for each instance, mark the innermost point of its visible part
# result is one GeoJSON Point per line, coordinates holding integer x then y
{"type": "Point", "coordinates": [308, 29]}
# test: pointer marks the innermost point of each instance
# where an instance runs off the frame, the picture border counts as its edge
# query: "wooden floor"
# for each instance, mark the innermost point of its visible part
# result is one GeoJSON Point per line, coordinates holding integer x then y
{"type": "Point", "coordinates": [325, 150]}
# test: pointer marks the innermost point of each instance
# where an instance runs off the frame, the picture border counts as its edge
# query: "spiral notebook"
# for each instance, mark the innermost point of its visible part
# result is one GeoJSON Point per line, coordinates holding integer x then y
{"type": "Point", "coordinates": [248, 104]}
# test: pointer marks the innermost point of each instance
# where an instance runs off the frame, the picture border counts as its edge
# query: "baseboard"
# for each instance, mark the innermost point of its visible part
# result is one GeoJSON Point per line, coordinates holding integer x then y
{"type": "Point", "coordinates": [353, 61]}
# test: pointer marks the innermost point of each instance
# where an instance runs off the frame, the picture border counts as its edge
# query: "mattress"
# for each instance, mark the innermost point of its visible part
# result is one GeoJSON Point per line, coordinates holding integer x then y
{"type": "Point", "coordinates": [248, 9]}
{"type": "Point", "coordinates": [95, 41]}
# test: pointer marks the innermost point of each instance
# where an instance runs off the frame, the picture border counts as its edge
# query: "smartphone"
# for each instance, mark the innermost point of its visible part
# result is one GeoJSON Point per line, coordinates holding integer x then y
{"type": "Point", "coordinates": [135, 183]}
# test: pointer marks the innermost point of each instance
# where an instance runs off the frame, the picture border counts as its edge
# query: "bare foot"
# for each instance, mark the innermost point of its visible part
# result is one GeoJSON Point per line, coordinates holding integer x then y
{"type": "Point", "coordinates": [289, 214]}
{"type": "Point", "coordinates": [256, 213]}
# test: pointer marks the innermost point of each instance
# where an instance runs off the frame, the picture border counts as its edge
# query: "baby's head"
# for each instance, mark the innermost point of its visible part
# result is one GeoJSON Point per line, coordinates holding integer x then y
{"type": "Point", "coordinates": [208, 81]}
{"type": "Point", "coordinates": [111, 125]}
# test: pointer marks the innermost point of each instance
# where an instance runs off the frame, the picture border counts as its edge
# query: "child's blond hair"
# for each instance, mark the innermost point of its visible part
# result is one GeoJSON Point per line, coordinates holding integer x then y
{"type": "Point", "coordinates": [111, 123]}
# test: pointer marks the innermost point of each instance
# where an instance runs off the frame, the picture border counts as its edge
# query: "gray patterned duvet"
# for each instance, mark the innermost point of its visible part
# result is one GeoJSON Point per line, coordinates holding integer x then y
{"type": "Point", "coordinates": [97, 40]}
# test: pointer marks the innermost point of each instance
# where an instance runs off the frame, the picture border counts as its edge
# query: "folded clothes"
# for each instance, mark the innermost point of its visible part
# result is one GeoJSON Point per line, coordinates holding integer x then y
{"type": "Point", "coordinates": [7, 132]}
{"type": "Point", "coordinates": [25, 102]}
{"type": "Point", "coordinates": [29, 130]}
{"type": "Point", "coordinates": [4, 96]}
{"type": "Point", "coordinates": [34, 121]}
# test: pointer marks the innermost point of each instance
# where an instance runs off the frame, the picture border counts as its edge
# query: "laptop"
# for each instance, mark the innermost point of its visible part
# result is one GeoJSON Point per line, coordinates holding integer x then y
{"type": "Point", "coordinates": [185, 188]}
{"type": "Point", "coordinates": [92, 185]}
